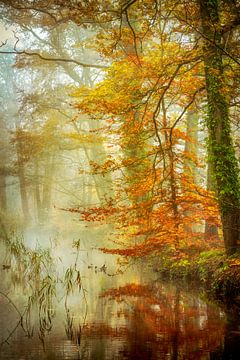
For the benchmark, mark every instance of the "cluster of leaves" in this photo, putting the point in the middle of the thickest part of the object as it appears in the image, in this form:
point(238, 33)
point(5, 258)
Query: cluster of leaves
point(143, 98)
point(155, 200)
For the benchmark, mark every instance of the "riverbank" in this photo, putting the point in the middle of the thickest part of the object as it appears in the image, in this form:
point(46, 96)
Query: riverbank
point(218, 274)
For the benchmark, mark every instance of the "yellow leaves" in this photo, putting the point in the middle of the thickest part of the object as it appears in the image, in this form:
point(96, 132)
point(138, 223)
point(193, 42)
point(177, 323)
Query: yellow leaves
point(81, 91)
point(107, 98)
point(83, 138)
point(145, 105)
point(234, 262)
point(108, 166)
point(128, 87)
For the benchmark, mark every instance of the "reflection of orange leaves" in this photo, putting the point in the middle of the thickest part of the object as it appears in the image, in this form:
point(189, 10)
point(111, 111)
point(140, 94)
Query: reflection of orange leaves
point(168, 312)
point(133, 289)
point(104, 330)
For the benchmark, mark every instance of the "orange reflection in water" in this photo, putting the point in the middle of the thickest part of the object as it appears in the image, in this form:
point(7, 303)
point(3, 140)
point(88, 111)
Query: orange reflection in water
point(165, 323)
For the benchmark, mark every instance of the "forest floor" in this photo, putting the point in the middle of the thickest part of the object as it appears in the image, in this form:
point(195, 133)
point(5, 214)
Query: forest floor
point(218, 274)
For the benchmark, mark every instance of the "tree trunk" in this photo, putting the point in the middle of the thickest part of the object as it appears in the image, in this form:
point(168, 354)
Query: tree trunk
point(97, 153)
point(22, 182)
point(103, 185)
point(23, 192)
point(37, 192)
point(47, 187)
point(3, 192)
point(210, 229)
point(221, 150)
point(3, 163)
point(191, 148)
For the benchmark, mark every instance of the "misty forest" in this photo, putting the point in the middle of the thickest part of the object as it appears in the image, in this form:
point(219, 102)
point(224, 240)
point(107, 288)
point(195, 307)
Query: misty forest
point(119, 179)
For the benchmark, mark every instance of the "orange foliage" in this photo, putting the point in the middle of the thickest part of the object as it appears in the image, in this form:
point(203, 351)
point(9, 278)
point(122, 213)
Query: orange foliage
point(144, 99)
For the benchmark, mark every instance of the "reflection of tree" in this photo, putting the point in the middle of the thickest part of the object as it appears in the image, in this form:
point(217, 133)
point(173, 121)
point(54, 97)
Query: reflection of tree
point(175, 336)
point(232, 337)
point(18, 323)
point(229, 348)
point(168, 323)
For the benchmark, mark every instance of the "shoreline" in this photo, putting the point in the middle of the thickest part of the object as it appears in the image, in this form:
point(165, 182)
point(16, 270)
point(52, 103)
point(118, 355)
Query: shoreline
point(218, 274)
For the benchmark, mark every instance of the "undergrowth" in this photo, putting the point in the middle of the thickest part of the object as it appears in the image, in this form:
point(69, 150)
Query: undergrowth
point(219, 274)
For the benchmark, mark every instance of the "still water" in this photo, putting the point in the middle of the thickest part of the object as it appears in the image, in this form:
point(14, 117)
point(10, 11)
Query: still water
point(89, 309)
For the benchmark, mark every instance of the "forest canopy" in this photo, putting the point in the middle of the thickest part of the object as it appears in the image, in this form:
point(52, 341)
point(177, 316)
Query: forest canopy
point(125, 113)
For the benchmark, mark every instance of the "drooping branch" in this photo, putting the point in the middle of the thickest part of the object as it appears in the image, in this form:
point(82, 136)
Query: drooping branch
point(56, 59)
point(46, 58)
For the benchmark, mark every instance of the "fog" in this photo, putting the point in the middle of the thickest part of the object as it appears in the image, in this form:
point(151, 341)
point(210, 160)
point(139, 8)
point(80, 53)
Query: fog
point(90, 198)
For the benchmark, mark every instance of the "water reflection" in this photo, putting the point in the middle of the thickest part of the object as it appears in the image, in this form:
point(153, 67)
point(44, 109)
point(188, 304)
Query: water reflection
point(81, 312)
point(167, 323)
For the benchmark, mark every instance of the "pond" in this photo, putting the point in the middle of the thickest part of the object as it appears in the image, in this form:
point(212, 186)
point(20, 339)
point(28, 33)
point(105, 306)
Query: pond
point(89, 309)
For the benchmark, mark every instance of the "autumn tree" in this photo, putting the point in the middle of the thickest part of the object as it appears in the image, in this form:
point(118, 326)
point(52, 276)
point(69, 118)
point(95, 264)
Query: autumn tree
point(195, 38)
point(221, 149)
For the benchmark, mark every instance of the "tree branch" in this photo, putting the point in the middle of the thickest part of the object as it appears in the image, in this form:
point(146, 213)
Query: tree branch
point(42, 57)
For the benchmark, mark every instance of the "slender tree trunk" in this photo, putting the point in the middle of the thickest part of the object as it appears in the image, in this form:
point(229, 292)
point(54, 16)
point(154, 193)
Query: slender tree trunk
point(103, 185)
point(210, 229)
point(22, 183)
point(136, 147)
point(3, 192)
point(176, 333)
point(221, 150)
point(37, 192)
point(191, 148)
point(3, 187)
point(97, 153)
point(23, 192)
point(173, 187)
point(47, 187)
point(3, 163)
